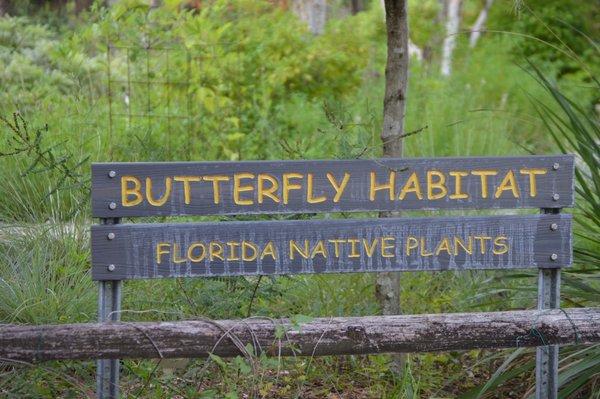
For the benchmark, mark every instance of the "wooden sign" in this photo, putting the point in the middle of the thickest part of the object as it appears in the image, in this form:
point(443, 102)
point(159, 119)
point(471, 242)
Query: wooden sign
point(211, 188)
point(132, 251)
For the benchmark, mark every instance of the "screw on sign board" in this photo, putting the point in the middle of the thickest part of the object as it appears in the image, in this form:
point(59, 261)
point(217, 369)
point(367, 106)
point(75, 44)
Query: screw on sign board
point(334, 245)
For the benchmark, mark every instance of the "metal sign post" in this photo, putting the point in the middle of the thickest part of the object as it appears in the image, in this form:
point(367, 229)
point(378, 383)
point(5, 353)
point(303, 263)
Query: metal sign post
point(546, 357)
point(109, 309)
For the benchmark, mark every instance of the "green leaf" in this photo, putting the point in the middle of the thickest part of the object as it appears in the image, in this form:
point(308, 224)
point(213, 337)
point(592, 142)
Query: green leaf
point(218, 360)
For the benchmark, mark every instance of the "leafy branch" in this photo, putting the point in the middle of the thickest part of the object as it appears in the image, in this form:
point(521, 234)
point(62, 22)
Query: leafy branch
point(22, 141)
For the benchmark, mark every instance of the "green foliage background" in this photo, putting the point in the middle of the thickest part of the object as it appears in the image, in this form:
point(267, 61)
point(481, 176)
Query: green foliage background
point(246, 80)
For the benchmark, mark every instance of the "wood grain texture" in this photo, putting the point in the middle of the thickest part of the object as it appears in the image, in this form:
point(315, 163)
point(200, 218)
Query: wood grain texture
point(323, 336)
point(133, 251)
point(355, 197)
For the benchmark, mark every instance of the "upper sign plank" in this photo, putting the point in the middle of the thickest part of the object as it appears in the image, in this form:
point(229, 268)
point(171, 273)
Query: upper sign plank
point(227, 188)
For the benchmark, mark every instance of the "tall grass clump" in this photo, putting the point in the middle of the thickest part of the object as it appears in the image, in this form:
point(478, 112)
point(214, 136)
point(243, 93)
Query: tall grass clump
point(41, 179)
point(44, 275)
point(574, 128)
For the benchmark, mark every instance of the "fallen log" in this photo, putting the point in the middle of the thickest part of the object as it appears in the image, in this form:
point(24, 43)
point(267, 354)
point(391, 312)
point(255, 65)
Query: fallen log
point(322, 336)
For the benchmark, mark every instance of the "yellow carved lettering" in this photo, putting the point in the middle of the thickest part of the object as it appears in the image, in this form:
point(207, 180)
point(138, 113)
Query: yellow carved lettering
point(500, 245)
point(411, 243)
point(162, 200)
point(370, 249)
point(458, 175)
point(263, 191)
point(196, 258)
point(269, 250)
point(390, 186)
point(238, 188)
point(177, 254)
point(319, 249)
point(187, 190)
point(459, 243)
point(216, 179)
point(215, 250)
point(509, 183)
point(482, 240)
point(309, 192)
point(287, 186)
point(336, 246)
point(444, 245)
point(162, 248)
point(483, 175)
point(424, 251)
point(127, 191)
point(532, 180)
point(233, 246)
point(439, 184)
point(385, 246)
point(249, 257)
point(353, 248)
point(295, 248)
point(338, 187)
point(412, 185)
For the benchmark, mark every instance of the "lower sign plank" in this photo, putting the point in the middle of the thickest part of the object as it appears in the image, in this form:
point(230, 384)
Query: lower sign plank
point(136, 251)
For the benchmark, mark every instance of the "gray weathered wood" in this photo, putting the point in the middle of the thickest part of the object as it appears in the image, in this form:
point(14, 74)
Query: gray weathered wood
point(554, 189)
point(133, 249)
point(324, 336)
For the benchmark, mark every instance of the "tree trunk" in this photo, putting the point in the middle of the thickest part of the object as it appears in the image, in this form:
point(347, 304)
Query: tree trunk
point(479, 24)
point(452, 25)
point(3, 7)
point(319, 337)
point(313, 12)
point(57, 6)
point(414, 51)
point(396, 77)
point(387, 288)
point(82, 5)
point(356, 6)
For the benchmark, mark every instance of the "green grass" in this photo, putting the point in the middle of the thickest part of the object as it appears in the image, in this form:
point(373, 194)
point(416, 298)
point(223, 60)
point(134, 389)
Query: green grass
point(574, 130)
point(482, 109)
point(44, 275)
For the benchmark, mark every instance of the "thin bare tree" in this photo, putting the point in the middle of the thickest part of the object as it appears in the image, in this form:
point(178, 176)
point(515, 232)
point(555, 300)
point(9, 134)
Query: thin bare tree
point(313, 12)
point(387, 287)
point(356, 6)
point(4, 7)
point(452, 25)
point(479, 25)
point(82, 5)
